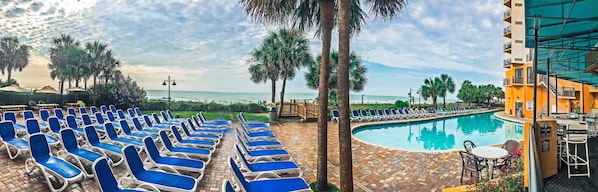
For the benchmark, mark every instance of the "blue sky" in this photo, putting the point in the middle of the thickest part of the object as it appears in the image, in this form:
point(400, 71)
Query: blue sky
point(204, 44)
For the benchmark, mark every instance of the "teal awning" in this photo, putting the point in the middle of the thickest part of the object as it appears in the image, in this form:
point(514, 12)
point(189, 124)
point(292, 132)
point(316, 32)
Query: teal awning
point(568, 33)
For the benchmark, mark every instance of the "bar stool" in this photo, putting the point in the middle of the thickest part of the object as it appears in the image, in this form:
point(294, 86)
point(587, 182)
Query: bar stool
point(576, 134)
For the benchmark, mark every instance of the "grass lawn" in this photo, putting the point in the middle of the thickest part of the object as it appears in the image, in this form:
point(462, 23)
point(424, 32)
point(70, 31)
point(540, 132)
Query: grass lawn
point(217, 115)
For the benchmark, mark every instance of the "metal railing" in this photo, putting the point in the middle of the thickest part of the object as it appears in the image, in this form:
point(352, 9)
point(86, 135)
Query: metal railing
point(506, 82)
point(561, 91)
point(507, 14)
point(507, 45)
point(530, 79)
point(507, 61)
point(518, 80)
point(507, 29)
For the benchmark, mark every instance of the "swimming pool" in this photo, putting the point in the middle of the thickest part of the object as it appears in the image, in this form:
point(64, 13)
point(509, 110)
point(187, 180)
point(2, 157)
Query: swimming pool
point(441, 134)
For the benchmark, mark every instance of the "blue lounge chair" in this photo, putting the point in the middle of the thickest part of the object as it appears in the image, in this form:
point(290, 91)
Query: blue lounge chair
point(255, 136)
point(227, 186)
point(252, 124)
point(140, 128)
point(113, 136)
point(58, 113)
point(203, 130)
point(199, 135)
point(382, 115)
point(122, 116)
point(151, 125)
point(176, 163)
point(191, 142)
point(104, 109)
point(28, 114)
point(172, 117)
point(77, 154)
point(204, 126)
point(388, 114)
point(253, 127)
point(219, 122)
point(134, 135)
point(42, 159)
point(373, 115)
point(267, 154)
point(93, 140)
point(355, 116)
point(159, 179)
point(267, 185)
point(334, 115)
point(259, 144)
point(138, 111)
point(11, 141)
point(171, 120)
point(71, 111)
point(33, 128)
point(112, 108)
point(258, 169)
point(100, 121)
point(169, 148)
point(10, 116)
point(131, 113)
point(72, 123)
point(105, 178)
point(44, 114)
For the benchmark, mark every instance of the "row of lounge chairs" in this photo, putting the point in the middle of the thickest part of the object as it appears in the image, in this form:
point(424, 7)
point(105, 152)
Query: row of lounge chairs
point(261, 162)
point(65, 150)
point(395, 114)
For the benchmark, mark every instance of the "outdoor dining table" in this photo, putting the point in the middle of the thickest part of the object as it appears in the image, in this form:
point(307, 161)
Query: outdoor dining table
point(47, 106)
point(490, 153)
point(74, 105)
point(17, 108)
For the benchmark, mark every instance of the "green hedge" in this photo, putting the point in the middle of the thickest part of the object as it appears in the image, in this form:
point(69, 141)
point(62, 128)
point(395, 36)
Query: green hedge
point(158, 105)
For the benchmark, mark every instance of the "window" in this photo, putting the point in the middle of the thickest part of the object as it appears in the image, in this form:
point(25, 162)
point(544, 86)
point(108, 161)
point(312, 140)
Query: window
point(518, 4)
point(518, 78)
point(518, 23)
point(518, 41)
point(530, 75)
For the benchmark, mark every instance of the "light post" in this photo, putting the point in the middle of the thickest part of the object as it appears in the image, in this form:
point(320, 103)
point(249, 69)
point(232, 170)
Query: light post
point(419, 98)
point(173, 84)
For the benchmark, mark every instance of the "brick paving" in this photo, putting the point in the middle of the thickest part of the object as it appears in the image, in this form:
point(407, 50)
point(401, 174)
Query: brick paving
point(375, 168)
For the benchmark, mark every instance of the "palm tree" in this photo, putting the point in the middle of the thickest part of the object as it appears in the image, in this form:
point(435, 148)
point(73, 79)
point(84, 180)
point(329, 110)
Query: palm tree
point(320, 14)
point(97, 57)
point(356, 73)
point(62, 58)
point(263, 65)
point(466, 92)
point(13, 55)
point(432, 88)
point(448, 85)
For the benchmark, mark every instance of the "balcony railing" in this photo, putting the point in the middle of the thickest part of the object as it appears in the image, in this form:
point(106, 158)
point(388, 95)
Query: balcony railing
point(530, 80)
point(507, 15)
point(517, 80)
point(506, 82)
point(567, 91)
point(507, 3)
point(507, 62)
point(507, 45)
point(507, 29)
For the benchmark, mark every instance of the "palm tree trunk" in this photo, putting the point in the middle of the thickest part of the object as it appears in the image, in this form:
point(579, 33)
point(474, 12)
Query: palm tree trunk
point(9, 71)
point(284, 83)
point(95, 91)
point(327, 19)
point(273, 91)
point(76, 82)
point(62, 86)
point(444, 101)
point(344, 125)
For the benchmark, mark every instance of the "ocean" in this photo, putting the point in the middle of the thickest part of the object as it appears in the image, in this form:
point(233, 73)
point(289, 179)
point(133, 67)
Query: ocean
point(254, 97)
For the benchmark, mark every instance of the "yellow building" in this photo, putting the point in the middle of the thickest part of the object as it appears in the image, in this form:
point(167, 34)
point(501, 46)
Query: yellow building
point(519, 79)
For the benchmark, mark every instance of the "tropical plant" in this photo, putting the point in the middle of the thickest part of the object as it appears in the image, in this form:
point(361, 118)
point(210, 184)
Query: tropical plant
point(432, 88)
point(263, 66)
point(122, 92)
point(356, 70)
point(321, 14)
point(467, 92)
point(448, 86)
point(13, 56)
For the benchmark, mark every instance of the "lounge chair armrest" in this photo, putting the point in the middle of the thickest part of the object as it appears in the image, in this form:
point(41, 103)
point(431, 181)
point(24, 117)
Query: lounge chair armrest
point(163, 168)
point(262, 159)
point(266, 175)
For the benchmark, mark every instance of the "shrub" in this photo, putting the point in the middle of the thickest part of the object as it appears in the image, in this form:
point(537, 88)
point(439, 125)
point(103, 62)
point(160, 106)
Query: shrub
point(401, 104)
point(123, 94)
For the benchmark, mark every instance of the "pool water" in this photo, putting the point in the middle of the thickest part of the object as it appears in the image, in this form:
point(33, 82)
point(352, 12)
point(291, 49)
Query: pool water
point(441, 134)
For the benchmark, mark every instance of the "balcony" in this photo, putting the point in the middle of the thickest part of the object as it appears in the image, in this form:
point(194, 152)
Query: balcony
point(507, 3)
point(506, 82)
point(507, 32)
point(567, 91)
point(517, 80)
point(530, 80)
point(507, 47)
point(506, 63)
point(507, 16)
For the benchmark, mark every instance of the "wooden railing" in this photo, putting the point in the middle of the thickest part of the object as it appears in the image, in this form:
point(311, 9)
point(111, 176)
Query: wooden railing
point(307, 111)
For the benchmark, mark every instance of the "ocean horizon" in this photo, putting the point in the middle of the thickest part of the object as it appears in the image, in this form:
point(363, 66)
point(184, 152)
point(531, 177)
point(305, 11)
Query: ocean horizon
point(254, 97)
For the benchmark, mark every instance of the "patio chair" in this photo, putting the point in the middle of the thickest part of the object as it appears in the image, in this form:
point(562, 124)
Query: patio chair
point(44, 114)
point(204, 130)
point(219, 122)
point(259, 169)
point(71, 111)
point(112, 108)
point(104, 177)
point(33, 128)
point(151, 125)
point(93, 141)
point(88, 122)
point(31, 105)
point(28, 114)
point(191, 142)
point(42, 159)
point(355, 116)
point(73, 151)
point(161, 180)
point(14, 145)
point(170, 116)
point(470, 163)
point(159, 122)
point(187, 152)
point(373, 115)
point(266, 185)
point(174, 163)
point(138, 111)
point(11, 116)
point(396, 114)
point(468, 145)
point(511, 146)
point(72, 123)
point(334, 115)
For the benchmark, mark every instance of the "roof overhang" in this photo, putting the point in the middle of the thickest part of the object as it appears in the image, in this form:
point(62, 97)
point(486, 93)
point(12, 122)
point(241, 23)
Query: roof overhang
point(567, 37)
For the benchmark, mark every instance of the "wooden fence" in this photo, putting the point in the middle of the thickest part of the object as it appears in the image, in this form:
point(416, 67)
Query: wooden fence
point(305, 111)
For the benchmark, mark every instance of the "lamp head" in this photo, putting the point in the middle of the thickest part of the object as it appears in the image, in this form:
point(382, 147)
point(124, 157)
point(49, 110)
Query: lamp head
point(164, 83)
point(173, 83)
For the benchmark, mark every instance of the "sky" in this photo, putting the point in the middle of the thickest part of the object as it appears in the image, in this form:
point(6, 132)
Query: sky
point(204, 44)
